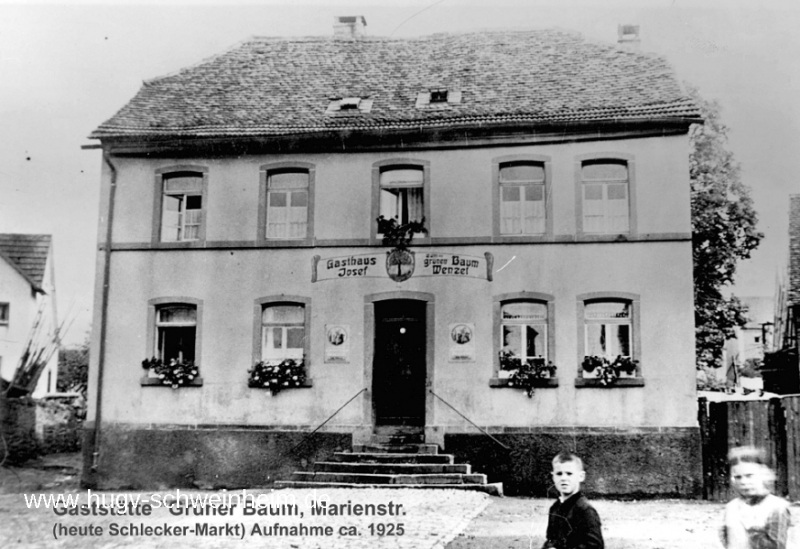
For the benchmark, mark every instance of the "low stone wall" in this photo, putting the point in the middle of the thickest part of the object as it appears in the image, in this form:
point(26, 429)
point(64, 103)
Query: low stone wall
point(18, 428)
point(59, 424)
point(210, 457)
point(657, 462)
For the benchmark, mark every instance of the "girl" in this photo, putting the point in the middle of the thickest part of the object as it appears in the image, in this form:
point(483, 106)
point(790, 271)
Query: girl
point(755, 519)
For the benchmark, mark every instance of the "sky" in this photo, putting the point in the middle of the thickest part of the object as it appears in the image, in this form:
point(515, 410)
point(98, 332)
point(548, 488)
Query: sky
point(66, 67)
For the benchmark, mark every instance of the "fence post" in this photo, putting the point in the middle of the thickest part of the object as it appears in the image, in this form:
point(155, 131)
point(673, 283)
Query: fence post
point(705, 435)
point(777, 432)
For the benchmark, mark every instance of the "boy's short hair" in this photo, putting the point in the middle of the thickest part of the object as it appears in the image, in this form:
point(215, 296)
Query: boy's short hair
point(747, 454)
point(568, 457)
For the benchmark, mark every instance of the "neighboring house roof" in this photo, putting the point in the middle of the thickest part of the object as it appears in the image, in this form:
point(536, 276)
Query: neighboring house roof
point(276, 86)
point(27, 253)
point(760, 310)
point(794, 250)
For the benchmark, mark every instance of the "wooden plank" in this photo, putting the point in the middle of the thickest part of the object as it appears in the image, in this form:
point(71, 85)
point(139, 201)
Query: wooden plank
point(791, 407)
point(718, 448)
point(778, 436)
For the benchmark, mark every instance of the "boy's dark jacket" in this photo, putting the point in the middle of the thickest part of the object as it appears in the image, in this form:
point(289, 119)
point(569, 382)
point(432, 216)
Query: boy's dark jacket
point(573, 524)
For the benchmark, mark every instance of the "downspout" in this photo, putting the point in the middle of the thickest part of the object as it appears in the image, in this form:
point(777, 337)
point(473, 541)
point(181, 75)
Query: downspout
point(101, 350)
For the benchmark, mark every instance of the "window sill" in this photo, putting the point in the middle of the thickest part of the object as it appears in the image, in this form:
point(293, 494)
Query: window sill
point(307, 384)
point(147, 381)
point(180, 244)
point(286, 242)
point(621, 382)
point(541, 383)
point(606, 237)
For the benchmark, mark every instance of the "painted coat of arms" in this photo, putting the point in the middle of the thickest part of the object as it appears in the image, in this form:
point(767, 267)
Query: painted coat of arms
point(400, 265)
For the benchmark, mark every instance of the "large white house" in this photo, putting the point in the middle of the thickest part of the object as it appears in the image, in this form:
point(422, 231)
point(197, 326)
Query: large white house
point(238, 226)
point(28, 318)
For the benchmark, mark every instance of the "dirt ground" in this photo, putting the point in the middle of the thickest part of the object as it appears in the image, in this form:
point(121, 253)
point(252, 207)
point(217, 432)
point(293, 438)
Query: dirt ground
point(504, 523)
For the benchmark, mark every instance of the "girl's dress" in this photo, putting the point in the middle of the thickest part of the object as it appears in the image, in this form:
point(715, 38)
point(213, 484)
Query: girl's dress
point(756, 523)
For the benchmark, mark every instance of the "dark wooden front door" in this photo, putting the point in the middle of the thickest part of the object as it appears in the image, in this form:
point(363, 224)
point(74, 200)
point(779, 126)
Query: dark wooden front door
point(399, 369)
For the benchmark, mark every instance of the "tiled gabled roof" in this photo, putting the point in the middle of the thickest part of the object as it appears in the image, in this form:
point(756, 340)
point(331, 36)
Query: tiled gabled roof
point(27, 253)
point(268, 86)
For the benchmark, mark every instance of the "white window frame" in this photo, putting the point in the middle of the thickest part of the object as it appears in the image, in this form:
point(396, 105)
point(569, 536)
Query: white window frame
point(541, 324)
point(620, 321)
point(160, 212)
point(161, 325)
point(285, 228)
point(268, 328)
point(539, 224)
point(635, 320)
point(397, 194)
point(629, 229)
point(382, 166)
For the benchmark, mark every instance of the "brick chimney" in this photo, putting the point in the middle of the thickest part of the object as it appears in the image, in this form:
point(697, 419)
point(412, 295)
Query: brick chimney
point(794, 250)
point(628, 36)
point(349, 27)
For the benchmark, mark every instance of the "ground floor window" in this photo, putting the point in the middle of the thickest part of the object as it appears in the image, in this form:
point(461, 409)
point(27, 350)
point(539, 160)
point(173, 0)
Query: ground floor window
point(283, 332)
point(609, 337)
point(176, 331)
point(524, 329)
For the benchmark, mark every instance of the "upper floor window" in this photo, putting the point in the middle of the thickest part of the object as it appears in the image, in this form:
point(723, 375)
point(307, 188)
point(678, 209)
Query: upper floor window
point(287, 204)
point(180, 206)
point(4, 312)
point(606, 197)
point(176, 332)
point(400, 191)
point(522, 198)
point(402, 194)
point(524, 329)
point(283, 332)
point(182, 211)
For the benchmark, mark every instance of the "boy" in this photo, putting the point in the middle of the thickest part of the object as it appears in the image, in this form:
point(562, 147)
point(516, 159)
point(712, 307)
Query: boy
point(573, 523)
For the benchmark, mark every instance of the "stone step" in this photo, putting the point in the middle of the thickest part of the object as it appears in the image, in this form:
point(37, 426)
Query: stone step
point(396, 448)
point(382, 479)
point(392, 468)
point(398, 439)
point(398, 430)
point(381, 457)
point(493, 489)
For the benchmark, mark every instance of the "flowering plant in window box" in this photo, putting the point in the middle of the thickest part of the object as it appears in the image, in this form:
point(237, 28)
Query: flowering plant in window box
point(525, 374)
point(609, 371)
point(174, 373)
point(276, 377)
point(399, 235)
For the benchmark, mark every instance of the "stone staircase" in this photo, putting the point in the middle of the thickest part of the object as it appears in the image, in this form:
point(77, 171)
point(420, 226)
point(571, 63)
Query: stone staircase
point(396, 457)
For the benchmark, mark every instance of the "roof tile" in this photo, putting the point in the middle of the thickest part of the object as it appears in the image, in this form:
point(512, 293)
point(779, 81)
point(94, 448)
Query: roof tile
point(28, 253)
point(269, 86)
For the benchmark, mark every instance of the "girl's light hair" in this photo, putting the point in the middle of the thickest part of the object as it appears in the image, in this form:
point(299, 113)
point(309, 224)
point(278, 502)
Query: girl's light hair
point(751, 454)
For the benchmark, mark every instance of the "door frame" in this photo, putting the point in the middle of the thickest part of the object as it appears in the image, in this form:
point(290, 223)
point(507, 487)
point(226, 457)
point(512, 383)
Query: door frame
point(369, 347)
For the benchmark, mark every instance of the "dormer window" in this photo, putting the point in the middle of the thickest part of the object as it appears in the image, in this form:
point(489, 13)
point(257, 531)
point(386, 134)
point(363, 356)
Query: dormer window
point(438, 98)
point(439, 95)
point(348, 105)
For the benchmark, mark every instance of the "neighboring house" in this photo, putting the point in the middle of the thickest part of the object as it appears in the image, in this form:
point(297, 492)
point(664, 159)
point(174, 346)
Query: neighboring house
point(751, 340)
point(27, 306)
point(781, 371)
point(553, 180)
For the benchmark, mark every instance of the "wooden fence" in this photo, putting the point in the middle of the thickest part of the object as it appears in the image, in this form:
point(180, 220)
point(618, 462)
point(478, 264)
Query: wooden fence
point(773, 425)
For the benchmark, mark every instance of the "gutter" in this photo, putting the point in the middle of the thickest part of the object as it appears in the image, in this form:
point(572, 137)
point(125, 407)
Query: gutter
point(101, 351)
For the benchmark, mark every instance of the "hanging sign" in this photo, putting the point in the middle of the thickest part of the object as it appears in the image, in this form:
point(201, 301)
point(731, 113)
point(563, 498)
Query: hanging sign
point(400, 265)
